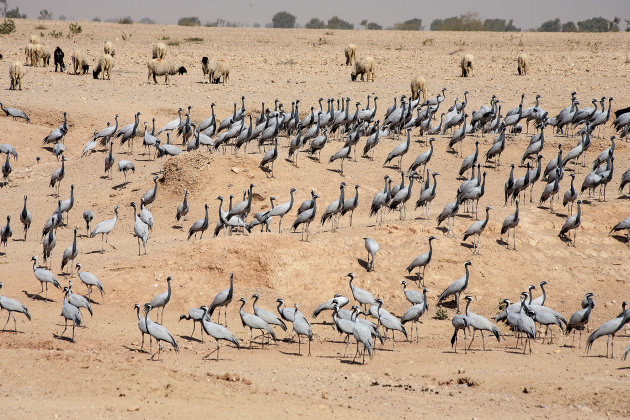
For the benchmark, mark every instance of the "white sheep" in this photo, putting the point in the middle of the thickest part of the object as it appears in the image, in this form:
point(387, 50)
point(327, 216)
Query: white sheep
point(523, 60)
point(467, 65)
point(364, 66)
point(34, 39)
point(16, 72)
point(29, 52)
point(222, 70)
point(104, 66)
point(418, 84)
point(159, 50)
point(351, 54)
point(159, 67)
point(42, 52)
point(108, 48)
point(79, 63)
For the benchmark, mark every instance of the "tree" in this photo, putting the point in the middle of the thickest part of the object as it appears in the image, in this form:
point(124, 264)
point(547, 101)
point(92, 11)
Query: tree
point(336, 23)
point(465, 22)
point(414, 24)
point(147, 21)
point(627, 25)
point(189, 21)
point(127, 20)
point(364, 23)
point(372, 26)
point(45, 15)
point(598, 24)
point(494, 25)
point(511, 28)
point(283, 20)
point(314, 23)
point(15, 14)
point(550, 26)
point(569, 27)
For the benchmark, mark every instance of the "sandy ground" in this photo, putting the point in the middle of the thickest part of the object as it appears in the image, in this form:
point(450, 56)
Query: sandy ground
point(104, 374)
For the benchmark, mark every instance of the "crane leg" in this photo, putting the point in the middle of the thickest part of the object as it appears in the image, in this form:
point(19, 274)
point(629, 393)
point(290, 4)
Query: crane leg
point(483, 341)
point(472, 339)
point(299, 345)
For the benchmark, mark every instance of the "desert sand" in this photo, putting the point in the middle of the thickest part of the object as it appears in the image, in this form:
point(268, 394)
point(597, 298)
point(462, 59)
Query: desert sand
point(104, 374)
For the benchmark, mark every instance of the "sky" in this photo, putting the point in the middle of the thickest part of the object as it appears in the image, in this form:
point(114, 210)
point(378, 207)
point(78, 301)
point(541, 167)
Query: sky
point(526, 14)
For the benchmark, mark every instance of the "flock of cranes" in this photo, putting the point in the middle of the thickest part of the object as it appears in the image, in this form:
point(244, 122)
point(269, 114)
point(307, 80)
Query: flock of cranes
point(310, 134)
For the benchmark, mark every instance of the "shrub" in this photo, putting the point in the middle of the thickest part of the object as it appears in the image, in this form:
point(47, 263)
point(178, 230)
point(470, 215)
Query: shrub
point(441, 314)
point(7, 26)
point(283, 20)
point(195, 40)
point(189, 21)
point(55, 34)
point(315, 23)
point(125, 20)
point(74, 29)
point(336, 23)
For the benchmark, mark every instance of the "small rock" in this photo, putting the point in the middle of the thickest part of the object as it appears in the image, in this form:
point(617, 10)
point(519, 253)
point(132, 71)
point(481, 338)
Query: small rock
point(234, 169)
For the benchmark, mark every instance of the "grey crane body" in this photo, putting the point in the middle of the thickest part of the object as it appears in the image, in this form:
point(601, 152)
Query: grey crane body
point(427, 195)
point(107, 132)
point(217, 331)
point(343, 326)
point(402, 196)
point(381, 199)
point(6, 232)
point(338, 300)
point(57, 134)
point(242, 208)
point(351, 204)
point(390, 322)
point(334, 208)
point(476, 229)
point(105, 227)
point(66, 205)
point(149, 196)
point(570, 195)
point(158, 332)
point(162, 299)
point(422, 261)
point(26, 217)
point(511, 222)
point(423, 158)
point(183, 208)
point(145, 215)
point(372, 248)
point(90, 280)
point(48, 244)
point(623, 225)
point(399, 151)
point(477, 322)
point(15, 113)
point(196, 315)
point(306, 217)
point(254, 322)
point(414, 313)
point(286, 313)
point(12, 305)
point(302, 327)
point(78, 300)
point(142, 325)
point(223, 299)
point(58, 175)
point(267, 316)
point(125, 166)
point(572, 223)
point(362, 296)
point(282, 209)
point(140, 229)
point(44, 276)
point(580, 318)
point(70, 313)
point(363, 334)
point(459, 322)
point(129, 131)
point(522, 323)
point(449, 212)
point(469, 161)
point(608, 328)
point(456, 287)
point(70, 253)
point(200, 225)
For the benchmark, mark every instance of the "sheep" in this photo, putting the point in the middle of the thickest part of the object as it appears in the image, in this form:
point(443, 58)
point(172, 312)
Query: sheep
point(59, 60)
point(43, 52)
point(205, 67)
point(351, 54)
point(418, 84)
point(108, 48)
point(467, 65)
point(34, 39)
point(159, 50)
point(159, 67)
point(79, 63)
point(222, 69)
point(105, 65)
point(16, 72)
point(29, 52)
point(363, 66)
point(523, 60)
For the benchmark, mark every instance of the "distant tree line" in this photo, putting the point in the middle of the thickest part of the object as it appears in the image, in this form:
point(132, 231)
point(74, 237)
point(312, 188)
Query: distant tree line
point(596, 24)
point(472, 22)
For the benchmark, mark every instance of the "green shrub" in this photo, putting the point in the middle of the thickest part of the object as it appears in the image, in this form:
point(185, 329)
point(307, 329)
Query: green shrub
point(7, 26)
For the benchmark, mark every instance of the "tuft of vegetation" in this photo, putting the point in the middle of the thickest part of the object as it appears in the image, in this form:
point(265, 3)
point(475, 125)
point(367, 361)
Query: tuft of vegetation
point(502, 305)
point(127, 20)
point(7, 26)
point(414, 24)
point(125, 36)
point(289, 62)
point(189, 21)
point(194, 40)
point(55, 34)
point(165, 38)
point(283, 20)
point(222, 23)
point(173, 43)
point(427, 42)
point(441, 314)
point(40, 27)
point(74, 29)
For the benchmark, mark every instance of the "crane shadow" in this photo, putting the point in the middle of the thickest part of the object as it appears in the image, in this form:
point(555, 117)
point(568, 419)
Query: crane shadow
point(120, 186)
point(135, 350)
point(36, 296)
point(363, 263)
point(501, 241)
point(62, 338)
point(190, 338)
point(624, 197)
point(466, 245)
point(448, 304)
point(621, 238)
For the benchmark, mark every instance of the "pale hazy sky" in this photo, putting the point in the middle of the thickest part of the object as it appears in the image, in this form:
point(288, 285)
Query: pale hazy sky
point(526, 13)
